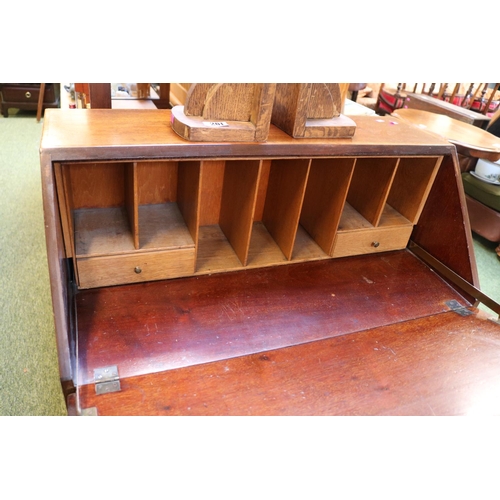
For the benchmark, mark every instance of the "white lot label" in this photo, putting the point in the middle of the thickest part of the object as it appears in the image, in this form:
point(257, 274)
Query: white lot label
point(216, 124)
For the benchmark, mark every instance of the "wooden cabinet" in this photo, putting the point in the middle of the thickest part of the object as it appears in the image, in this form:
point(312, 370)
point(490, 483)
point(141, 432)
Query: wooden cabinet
point(171, 261)
point(25, 96)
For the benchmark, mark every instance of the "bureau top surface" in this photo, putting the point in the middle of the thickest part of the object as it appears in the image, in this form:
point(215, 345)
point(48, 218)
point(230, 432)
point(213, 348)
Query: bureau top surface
point(120, 134)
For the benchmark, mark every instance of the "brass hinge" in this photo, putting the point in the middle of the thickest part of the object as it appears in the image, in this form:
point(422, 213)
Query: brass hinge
point(455, 306)
point(106, 380)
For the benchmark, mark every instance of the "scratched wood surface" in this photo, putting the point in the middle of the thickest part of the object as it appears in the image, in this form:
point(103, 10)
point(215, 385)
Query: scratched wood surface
point(152, 327)
point(443, 364)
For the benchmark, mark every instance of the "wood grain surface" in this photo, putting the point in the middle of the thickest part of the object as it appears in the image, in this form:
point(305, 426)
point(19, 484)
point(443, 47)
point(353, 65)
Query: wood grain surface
point(443, 228)
point(244, 108)
point(370, 185)
point(116, 134)
point(442, 364)
point(469, 139)
point(152, 327)
point(285, 195)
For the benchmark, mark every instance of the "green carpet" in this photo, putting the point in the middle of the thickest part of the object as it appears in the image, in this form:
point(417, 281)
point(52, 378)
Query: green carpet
point(488, 265)
point(29, 376)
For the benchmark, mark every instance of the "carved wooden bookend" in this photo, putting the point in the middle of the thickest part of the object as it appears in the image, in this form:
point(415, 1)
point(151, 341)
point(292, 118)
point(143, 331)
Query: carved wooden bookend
point(225, 112)
point(311, 110)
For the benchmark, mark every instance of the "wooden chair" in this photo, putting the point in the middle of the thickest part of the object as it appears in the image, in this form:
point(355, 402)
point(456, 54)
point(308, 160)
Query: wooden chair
point(389, 98)
point(475, 97)
point(354, 88)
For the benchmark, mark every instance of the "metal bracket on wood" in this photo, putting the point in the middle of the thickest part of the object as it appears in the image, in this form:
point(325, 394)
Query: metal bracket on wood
point(89, 412)
point(454, 277)
point(106, 380)
point(455, 306)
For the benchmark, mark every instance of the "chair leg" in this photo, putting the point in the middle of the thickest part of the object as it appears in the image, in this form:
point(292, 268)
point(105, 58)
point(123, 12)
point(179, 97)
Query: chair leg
point(39, 108)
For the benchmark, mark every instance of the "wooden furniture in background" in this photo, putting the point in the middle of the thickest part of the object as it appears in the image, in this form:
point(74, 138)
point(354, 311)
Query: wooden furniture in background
point(428, 103)
point(469, 140)
point(286, 250)
point(472, 143)
point(82, 95)
point(39, 108)
point(354, 88)
point(178, 93)
point(164, 97)
point(93, 95)
point(478, 98)
point(98, 95)
point(472, 103)
point(26, 96)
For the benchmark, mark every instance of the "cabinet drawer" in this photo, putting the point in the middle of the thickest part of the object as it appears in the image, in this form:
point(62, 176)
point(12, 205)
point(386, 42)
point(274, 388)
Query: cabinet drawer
point(121, 269)
point(371, 240)
point(27, 93)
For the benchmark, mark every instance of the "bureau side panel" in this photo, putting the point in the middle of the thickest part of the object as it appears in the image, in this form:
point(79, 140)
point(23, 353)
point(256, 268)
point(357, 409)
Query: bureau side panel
point(59, 283)
point(443, 228)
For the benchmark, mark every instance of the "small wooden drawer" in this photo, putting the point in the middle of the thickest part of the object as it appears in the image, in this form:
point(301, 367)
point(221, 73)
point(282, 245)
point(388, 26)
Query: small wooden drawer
point(27, 92)
point(149, 266)
point(371, 240)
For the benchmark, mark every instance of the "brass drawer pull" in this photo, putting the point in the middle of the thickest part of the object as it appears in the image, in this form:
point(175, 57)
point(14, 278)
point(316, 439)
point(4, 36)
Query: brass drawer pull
point(138, 270)
point(28, 95)
point(375, 244)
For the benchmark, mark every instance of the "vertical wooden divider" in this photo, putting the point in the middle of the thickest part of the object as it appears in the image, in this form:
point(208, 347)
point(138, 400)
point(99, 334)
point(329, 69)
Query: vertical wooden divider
point(324, 199)
point(65, 197)
point(239, 196)
point(265, 169)
point(285, 195)
point(65, 206)
point(188, 196)
point(211, 191)
point(132, 201)
point(97, 185)
point(370, 185)
point(412, 184)
point(156, 182)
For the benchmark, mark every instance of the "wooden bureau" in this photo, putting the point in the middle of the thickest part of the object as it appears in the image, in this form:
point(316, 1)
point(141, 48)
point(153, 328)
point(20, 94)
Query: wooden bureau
point(295, 276)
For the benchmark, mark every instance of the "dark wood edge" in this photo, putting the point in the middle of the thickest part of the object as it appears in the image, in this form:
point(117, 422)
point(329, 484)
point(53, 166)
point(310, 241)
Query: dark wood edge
point(242, 151)
point(57, 267)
